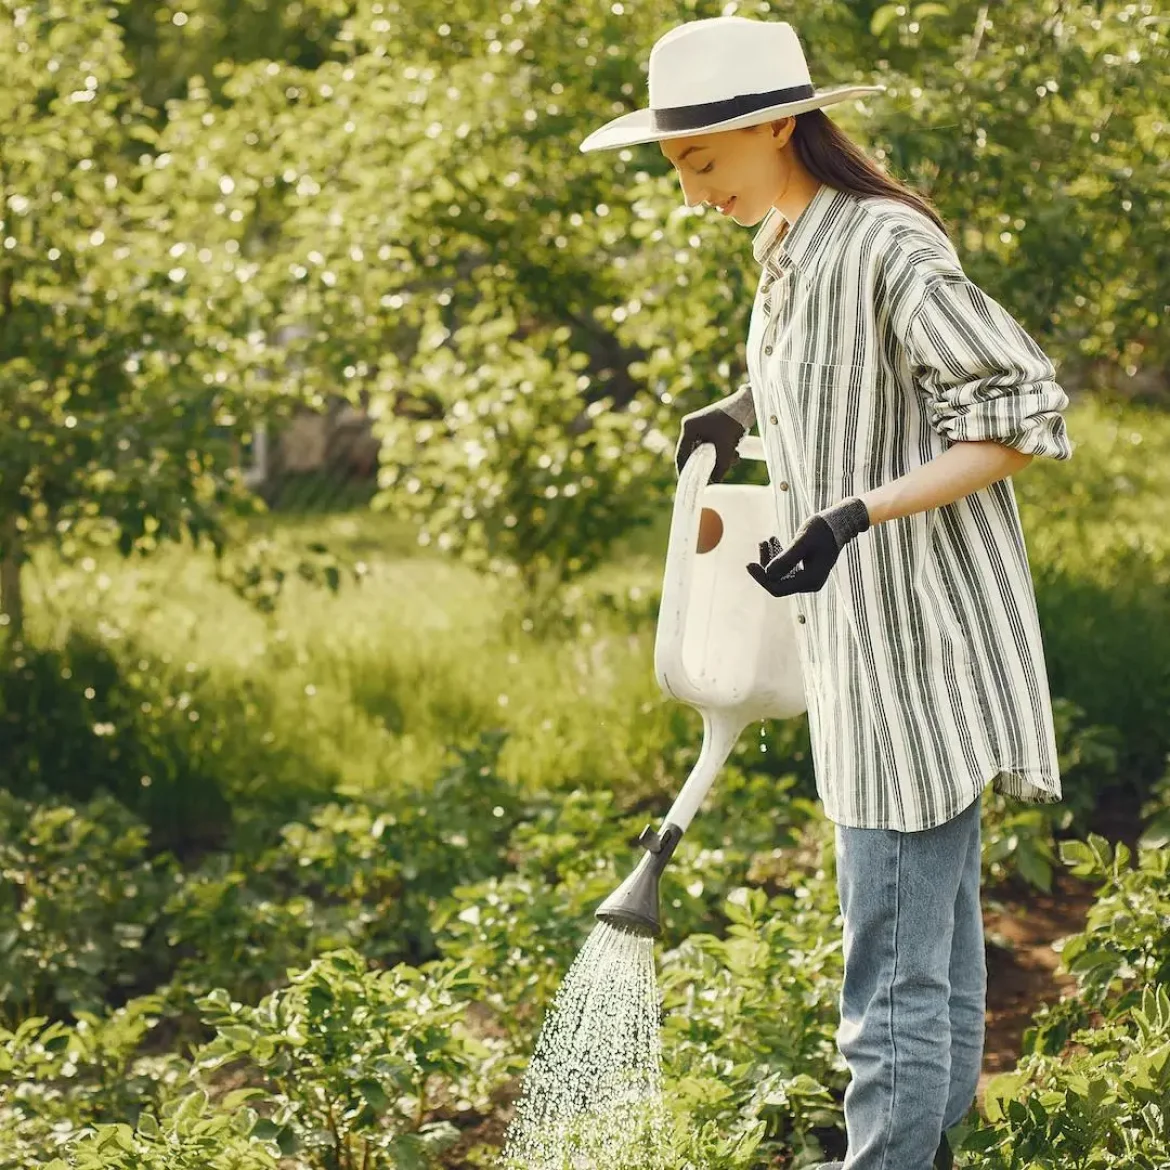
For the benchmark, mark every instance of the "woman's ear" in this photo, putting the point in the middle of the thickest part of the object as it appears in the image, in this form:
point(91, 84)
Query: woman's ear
point(782, 130)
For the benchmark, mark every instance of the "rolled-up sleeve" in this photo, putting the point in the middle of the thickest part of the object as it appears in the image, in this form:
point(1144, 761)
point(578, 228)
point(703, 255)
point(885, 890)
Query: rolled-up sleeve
point(982, 376)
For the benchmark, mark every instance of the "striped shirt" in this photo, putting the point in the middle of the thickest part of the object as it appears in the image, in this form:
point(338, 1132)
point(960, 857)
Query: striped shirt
point(869, 353)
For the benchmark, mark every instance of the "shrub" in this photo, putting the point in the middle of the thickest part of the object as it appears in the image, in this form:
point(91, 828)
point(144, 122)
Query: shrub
point(56, 1079)
point(187, 1134)
point(355, 1059)
point(80, 902)
point(1093, 1087)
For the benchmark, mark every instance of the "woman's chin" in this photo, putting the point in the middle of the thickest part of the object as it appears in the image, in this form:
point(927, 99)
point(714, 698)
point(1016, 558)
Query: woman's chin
point(745, 216)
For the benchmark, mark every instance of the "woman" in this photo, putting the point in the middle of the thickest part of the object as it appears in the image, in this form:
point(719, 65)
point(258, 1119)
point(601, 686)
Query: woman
point(895, 399)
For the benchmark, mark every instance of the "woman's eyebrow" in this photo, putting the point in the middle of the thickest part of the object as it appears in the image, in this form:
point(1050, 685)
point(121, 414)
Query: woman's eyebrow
point(689, 150)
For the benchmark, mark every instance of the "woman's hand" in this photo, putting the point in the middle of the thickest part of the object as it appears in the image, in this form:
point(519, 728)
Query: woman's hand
point(817, 544)
point(710, 425)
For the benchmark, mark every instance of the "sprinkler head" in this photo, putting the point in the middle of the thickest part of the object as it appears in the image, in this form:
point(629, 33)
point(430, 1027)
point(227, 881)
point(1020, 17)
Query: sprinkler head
point(633, 906)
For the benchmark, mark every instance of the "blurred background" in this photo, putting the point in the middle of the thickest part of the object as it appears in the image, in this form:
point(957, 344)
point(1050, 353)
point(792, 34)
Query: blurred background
point(338, 396)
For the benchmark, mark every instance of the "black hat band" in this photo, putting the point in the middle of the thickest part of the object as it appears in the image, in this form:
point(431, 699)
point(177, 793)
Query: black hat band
point(711, 113)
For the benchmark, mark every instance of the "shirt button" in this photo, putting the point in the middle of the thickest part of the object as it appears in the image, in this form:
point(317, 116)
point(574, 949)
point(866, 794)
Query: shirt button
point(800, 618)
point(767, 349)
point(773, 419)
point(784, 485)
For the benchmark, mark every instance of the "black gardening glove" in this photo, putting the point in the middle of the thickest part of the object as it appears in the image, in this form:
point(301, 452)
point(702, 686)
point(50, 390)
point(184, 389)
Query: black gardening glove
point(710, 425)
point(817, 543)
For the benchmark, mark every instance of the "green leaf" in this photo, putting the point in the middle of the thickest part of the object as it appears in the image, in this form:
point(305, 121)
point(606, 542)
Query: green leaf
point(240, 1036)
point(1034, 867)
point(882, 18)
point(373, 1093)
point(1080, 857)
point(319, 1000)
point(266, 1130)
point(1002, 1089)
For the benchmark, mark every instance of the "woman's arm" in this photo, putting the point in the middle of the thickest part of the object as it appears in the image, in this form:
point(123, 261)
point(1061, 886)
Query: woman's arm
point(963, 468)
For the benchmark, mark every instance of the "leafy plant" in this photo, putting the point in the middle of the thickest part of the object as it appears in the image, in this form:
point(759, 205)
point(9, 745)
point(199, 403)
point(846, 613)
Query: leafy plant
point(1104, 1107)
point(187, 1134)
point(80, 899)
point(750, 1018)
point(1092, 1089)
point(57, 1079)
point(1125, 946)
point(356, 1058)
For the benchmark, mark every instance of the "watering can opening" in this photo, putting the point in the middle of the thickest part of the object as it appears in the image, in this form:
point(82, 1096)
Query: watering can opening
point(710, 530)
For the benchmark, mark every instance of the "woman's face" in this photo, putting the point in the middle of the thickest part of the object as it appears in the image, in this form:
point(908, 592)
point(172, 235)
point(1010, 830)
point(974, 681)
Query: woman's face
point(750, 166)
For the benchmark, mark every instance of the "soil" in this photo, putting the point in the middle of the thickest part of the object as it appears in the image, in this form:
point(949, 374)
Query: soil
point(1020, 925)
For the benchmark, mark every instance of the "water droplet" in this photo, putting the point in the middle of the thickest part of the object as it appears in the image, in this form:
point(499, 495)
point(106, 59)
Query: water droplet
point(592, 1095)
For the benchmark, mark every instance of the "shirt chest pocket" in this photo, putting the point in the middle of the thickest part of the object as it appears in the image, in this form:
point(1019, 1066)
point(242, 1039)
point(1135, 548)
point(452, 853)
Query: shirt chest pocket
point(824, 410)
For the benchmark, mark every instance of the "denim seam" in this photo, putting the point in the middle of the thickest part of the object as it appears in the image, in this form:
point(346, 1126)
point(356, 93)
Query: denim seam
point(890, 1003)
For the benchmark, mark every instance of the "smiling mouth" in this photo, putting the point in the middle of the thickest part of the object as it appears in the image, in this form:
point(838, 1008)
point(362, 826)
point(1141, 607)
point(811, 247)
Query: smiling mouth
point(724, 208)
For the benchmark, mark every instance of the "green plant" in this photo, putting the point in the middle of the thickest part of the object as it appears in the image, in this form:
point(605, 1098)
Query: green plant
point(98, 714)
point(355, 1059)
point(356, 873)
point(1125, 946)
point(187, 1134)
point(1105, 1107)
point(57, 1079)
point(750, 1018)
point(80, 900)
point(1092, 1089)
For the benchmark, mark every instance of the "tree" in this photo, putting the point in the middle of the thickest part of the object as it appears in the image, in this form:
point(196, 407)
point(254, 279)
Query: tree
point(113, 376)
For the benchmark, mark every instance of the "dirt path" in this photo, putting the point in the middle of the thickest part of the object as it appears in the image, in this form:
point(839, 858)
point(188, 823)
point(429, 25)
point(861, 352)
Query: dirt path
point(1020, 926)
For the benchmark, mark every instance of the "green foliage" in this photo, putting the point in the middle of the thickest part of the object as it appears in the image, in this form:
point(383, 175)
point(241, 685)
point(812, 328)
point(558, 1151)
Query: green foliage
point(362, 874)
point(1101, 564)
point(1126, 945)
point(80, 900)
point(1036, 128)
point(1021, 840)
point(1093, 1088)
point(84, 719)
point(258, 570)
point(111, 380)
point(750, 1017)
point(354, 1055)
point(189, 1134)
point(57, 1079)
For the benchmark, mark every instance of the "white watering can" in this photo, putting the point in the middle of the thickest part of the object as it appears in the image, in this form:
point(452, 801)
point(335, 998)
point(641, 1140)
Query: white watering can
point(724, 645)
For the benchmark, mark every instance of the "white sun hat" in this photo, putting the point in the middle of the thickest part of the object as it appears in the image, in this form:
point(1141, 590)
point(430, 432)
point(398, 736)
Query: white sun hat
point(722, 73)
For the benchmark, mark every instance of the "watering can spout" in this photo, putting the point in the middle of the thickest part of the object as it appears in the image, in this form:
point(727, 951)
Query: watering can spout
point(633, 906)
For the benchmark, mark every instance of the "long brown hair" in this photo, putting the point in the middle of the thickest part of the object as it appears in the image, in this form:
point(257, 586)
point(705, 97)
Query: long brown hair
point(833, 157)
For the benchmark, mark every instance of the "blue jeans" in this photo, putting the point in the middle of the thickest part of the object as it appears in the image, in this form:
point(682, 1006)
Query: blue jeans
point(915, 990)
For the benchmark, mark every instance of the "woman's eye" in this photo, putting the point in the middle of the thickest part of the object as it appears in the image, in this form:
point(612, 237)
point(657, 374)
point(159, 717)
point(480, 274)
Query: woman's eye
point(708, 167)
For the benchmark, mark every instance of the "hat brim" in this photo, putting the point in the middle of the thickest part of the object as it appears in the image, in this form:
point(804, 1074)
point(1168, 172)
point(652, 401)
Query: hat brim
point(635, 129)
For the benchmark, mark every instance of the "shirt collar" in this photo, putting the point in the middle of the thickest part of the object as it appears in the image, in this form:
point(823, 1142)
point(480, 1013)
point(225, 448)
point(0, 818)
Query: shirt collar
point(800, 243)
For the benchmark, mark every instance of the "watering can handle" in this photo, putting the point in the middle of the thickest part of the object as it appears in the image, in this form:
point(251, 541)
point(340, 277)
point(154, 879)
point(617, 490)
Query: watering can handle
point(683, 548)
point(684, 538)
point(751, 447)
